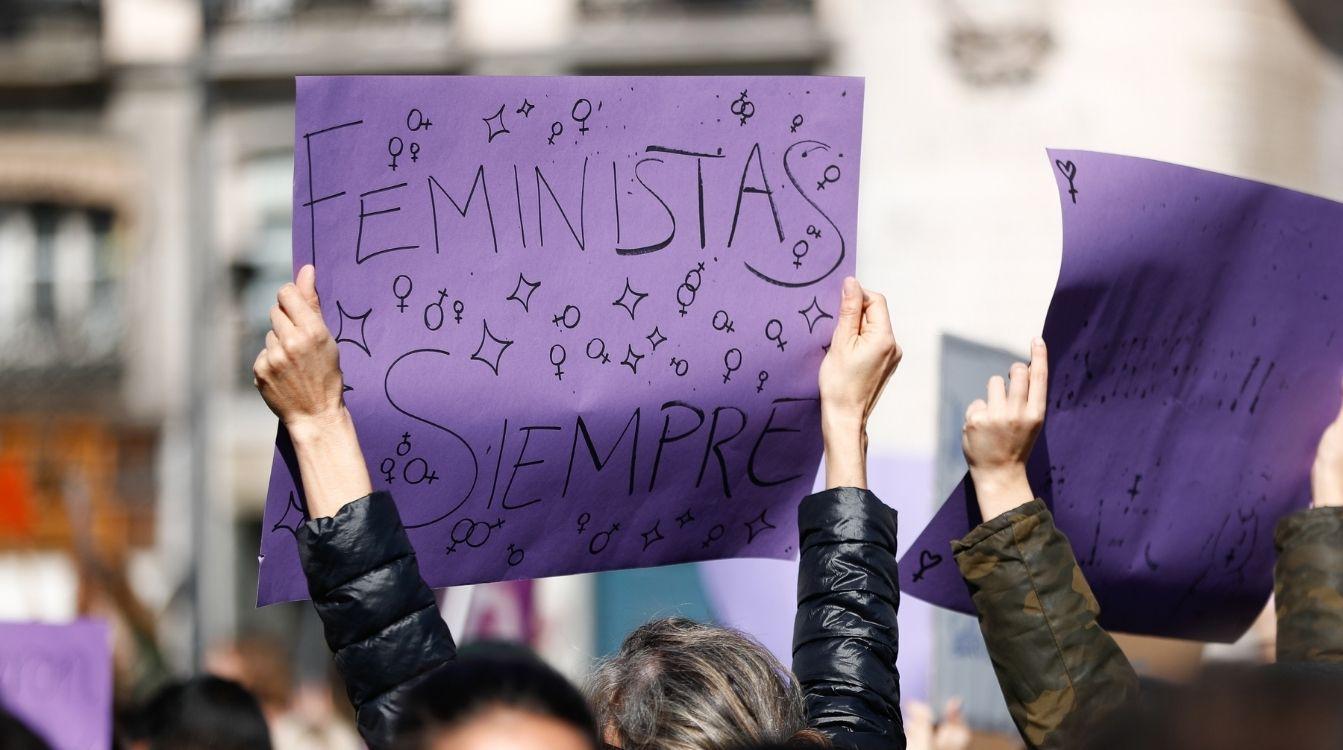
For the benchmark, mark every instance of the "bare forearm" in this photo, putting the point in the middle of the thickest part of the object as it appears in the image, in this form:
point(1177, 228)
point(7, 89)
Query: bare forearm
point(330, 463)
point(845, 451)
point(1001, 490)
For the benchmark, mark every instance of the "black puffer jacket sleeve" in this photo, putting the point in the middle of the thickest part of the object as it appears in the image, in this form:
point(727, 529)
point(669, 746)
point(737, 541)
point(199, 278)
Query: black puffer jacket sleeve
point(845, 638)
point(381, 619)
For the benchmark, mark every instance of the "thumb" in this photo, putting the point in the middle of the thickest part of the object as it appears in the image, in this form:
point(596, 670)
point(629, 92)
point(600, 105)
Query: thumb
point(307, 286)
point(850, 309)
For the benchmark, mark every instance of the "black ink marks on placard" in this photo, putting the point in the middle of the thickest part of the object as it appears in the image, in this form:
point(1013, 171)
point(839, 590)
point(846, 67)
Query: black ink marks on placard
point(813, 314)
point(557, 356)
point(556, 129)
point(402, 290)
point(813, 232)
point(417, 470)
point(569, 318)
point(475, 465)
point(403, 447)
point(797, 123)
point(700, 156)
point(731, 361)
point(800, 249)
point(671, 216)
point(313, 200)
point(364, 213)
point(491, 346)
point(831, 174)
point(394, 148)
point(680, 367)
point(757, 525)
point(388, 469)
point(761, 188)
point(632, 359)
point(629, 298)
point(652, 536)
point(525, 109)
point(521, 297)
point(743, 108)
point(715, 534)
point(351, 337)
point(1147, 558)
point(685, 293)
point(601, 539)
point(414, 151)
point(580, 112)
point(721, 322)
point(1262, 383)
point(478, 181)
point(457, 307)
point(834, 228)
point(1245, 383)
point(471, 532)
point(927, 561)
point(600, 352)
point(684, 518)
point(415, 121)
point(583, 520)
point(515, 555)
point(760, 381)
point(433, 312)
point(285, 522)
point(580, 236)
point(655, 338)
point(1069, 171)
point(774, 332)
point(1133, 492)
point(494, 125)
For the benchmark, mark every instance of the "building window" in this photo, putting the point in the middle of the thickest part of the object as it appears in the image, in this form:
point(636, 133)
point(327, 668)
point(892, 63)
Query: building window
point(58, 286)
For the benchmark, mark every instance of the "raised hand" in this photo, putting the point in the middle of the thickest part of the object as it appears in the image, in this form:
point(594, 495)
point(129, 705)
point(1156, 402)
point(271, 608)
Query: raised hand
point(1326, 476)
point(863, 354)
point(1001, 430)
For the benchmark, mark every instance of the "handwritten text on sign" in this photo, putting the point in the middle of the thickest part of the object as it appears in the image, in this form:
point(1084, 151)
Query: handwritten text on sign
point(579, 318)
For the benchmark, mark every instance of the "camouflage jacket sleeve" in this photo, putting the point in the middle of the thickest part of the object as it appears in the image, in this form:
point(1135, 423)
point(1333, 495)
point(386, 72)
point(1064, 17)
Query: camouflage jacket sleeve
point(1308, 586)
point(1058, 669)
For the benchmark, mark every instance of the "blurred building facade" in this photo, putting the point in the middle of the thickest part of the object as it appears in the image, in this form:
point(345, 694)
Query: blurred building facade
point(145, 190)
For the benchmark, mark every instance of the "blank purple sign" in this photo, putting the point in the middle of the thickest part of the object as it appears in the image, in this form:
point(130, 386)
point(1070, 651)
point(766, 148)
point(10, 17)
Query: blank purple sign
point(58, 680)
point(1195, 352)
point(579, 319)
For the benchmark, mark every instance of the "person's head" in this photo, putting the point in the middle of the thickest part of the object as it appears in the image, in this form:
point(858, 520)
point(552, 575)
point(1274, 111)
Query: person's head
point(1280, 707)
point(496, 697)
point(677, 684)
point(202, 713)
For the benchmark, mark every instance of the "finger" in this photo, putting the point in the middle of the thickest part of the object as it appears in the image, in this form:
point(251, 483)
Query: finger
point(975, 407)
point(272, 341)
point(1017, 385)
point(280, 324)
point(260, 368)
point(997, 391)
point(1038, 399)
point(876, 314)
point(951, 713)
point(850, 310)
point(297, 308)
point(307, 286)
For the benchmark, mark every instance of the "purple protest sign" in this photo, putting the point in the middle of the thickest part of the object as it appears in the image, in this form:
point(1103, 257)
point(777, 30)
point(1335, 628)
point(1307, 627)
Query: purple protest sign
point(579, 319)
point(57, 679)
point(1195, 355)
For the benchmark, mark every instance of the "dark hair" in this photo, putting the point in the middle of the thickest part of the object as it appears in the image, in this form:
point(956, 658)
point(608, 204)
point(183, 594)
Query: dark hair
point(487, 676)
point(203, 713)
point(15, 735)
point(1296, 706)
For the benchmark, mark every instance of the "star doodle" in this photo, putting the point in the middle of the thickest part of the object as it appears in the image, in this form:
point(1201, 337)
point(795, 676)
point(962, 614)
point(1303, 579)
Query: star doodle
point(757, 525)
point(495, 346)
point(341, 336)
point(521, 297)
point(526, 109)
point(626, 295)
point(632, 359)
point(290, 507)
point(495, 124)
point(652, 536)
point(655, 338)
point(684, 518)
point(813, 314)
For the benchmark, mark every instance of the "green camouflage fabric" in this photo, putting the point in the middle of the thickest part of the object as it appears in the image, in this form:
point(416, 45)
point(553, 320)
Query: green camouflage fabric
point(1058, 668)
point(1308, 586)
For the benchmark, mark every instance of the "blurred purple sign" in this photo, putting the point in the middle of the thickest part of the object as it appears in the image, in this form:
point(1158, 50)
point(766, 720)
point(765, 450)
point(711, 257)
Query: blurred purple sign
point(1195, 351)
point(580, 319)
point(57, 679)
